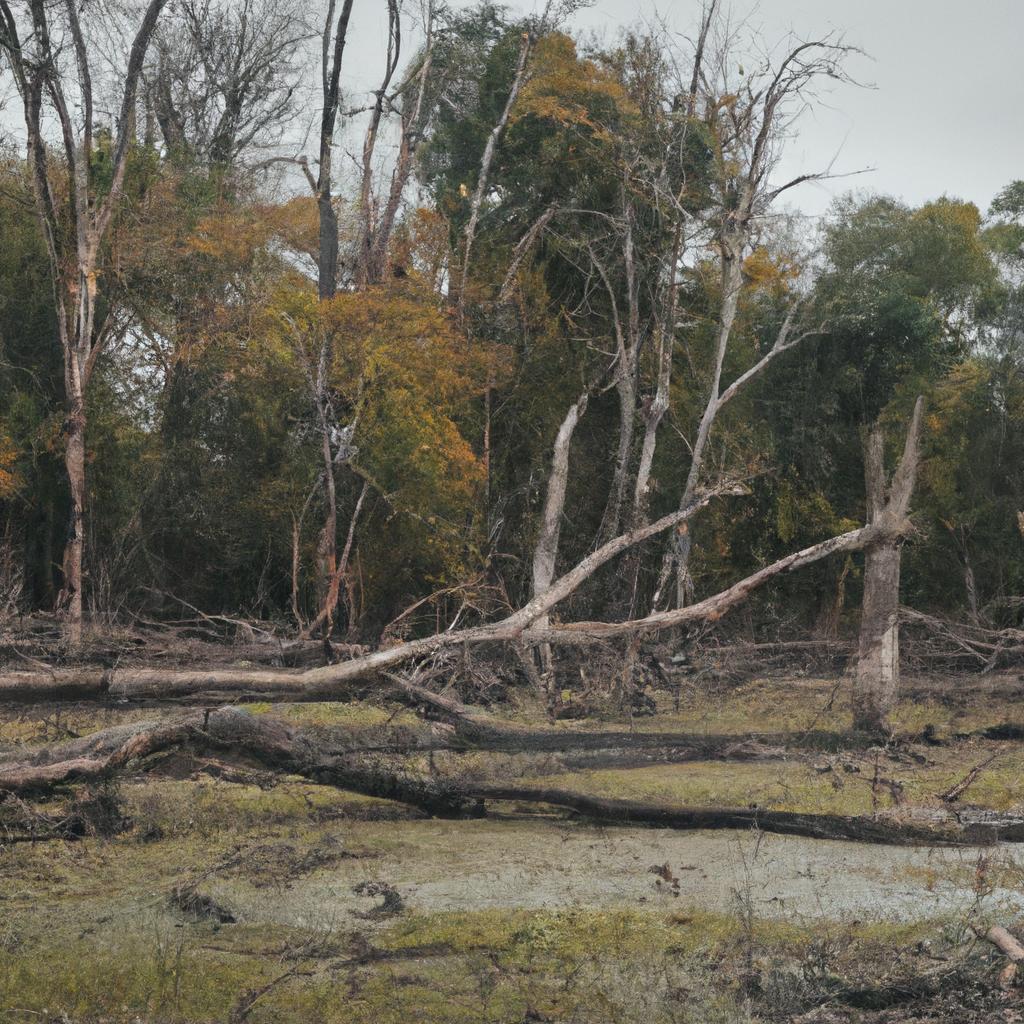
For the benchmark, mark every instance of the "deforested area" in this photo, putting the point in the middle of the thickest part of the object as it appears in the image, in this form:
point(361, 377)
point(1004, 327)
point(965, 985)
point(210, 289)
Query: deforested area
point(511, 513)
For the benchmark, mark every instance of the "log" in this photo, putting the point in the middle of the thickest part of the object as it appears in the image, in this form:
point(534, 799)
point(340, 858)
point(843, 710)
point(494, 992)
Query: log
point(957, 790)
point(1008, 944)
point(126, 684)
point(889, 832)
point(331, 681)
point(282, 747)
point(271, 742)
point(471, 730)
point(56, 683)
point(1005, 942)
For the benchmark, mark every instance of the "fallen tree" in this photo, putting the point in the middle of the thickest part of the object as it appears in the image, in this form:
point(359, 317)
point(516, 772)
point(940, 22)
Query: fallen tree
point(329, 682)
point(525, 626)
point(276, 745)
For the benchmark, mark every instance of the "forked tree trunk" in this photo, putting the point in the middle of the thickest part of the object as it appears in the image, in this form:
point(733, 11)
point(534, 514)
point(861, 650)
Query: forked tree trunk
point(877, 677)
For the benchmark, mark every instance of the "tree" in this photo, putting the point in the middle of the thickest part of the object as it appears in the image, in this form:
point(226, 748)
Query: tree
point(877, 676)
point(223, 80)
point(748, 121)
point(75, 220)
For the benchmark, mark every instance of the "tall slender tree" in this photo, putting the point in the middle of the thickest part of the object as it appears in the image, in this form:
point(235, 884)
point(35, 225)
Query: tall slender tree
point(75, 220)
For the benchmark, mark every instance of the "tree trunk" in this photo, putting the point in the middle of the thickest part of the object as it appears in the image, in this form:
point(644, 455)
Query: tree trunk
point(877, 675)
point(70, 599)
point(327, 548)
point(545, 554)
point(878, 656)
point(625, 387)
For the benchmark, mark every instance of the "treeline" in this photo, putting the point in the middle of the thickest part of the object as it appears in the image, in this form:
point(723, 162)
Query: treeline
point(337, 375)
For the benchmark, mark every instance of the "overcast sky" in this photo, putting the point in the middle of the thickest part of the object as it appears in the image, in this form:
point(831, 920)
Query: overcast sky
point(943, 113)
point(943, 107)
point(946, 111)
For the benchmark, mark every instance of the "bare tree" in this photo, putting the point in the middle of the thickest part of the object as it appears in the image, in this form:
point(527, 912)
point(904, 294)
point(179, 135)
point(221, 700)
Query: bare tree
point(380, 101)
point(888, 501)
point(333, 39)
point(45, 80)
point(748, 123)
point(409, 101)
point(224, 78)
point(545, 553)
point(333, 441)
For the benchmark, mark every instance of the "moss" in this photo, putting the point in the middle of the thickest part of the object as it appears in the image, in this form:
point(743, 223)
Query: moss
point(814, 784)
point(349, 714)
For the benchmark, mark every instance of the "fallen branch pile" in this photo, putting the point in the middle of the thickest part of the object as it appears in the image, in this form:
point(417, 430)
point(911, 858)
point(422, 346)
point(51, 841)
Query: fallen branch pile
point(960, 645)
point(331, 682)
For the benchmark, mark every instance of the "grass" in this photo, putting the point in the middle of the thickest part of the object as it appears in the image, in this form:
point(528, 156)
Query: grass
point(820, 784)
point(87, 929)
point(35, 725)
point(495, 966)
point(770, 706)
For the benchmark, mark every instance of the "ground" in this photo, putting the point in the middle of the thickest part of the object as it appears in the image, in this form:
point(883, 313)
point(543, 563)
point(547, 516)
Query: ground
point(209, 900)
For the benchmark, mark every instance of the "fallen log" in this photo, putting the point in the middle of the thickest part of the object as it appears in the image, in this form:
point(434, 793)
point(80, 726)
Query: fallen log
point(958, 789)
point(884, 831)
point(302, 751)
point(471, 729)
point(1005, 942)
point(332, 682)
point(1008, 944)
point(269, 741)
point(151, 683)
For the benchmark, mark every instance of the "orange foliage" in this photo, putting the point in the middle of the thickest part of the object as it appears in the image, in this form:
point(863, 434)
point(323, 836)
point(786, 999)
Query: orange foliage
point(10, 480)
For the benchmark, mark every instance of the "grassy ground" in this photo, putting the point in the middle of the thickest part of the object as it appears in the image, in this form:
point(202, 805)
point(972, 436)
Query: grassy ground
point(90, 929)
point(516, 919)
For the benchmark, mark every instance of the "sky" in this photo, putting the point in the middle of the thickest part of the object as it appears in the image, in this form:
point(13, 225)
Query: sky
point(942, 109)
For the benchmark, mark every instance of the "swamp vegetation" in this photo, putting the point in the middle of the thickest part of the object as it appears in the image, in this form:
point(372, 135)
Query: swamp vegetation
point(475, 553)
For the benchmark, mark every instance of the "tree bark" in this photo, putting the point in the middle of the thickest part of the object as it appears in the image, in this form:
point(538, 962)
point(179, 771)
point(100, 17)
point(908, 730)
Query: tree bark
point(877, 674)
point(70, 600)
point(878, 671)
point(545, 554)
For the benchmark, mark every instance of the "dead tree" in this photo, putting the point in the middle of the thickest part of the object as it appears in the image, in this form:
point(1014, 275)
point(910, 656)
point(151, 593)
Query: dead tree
point(223, 79)
point(545, 553)
point(748, 123)
point(888, 501)
point(281, 747)
point(332, 50)
point(44, 80)
point(520, 626)
point(377, 110)
point(317, 366)
point(409, 101)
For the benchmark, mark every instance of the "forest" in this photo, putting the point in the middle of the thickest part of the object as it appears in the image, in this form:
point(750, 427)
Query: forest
point(399, 484)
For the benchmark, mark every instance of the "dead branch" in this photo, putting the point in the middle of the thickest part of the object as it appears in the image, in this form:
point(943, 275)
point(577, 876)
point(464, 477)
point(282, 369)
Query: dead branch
point(956, 791)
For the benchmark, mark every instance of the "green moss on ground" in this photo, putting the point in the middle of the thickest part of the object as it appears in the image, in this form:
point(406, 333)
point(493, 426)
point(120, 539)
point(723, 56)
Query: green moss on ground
point(820, 785)
point(499, 966)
